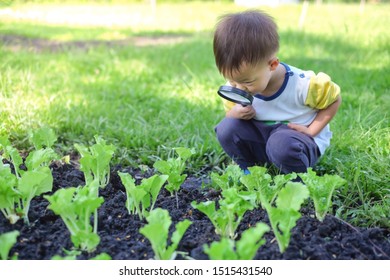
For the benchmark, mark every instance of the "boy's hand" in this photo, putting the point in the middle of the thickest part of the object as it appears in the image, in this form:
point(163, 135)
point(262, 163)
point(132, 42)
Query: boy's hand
point(300, 128)
point(240, 112)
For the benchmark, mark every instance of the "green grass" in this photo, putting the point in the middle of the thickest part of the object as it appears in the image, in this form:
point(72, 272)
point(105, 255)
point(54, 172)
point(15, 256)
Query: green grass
point(148, 99)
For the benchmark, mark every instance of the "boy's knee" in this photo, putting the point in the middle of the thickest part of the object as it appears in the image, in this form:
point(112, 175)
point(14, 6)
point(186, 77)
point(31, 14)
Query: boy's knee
point(288, 153)
point(284, 150)
point(226, 129)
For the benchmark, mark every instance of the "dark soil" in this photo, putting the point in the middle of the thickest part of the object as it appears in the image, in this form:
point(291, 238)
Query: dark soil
point(120, 238)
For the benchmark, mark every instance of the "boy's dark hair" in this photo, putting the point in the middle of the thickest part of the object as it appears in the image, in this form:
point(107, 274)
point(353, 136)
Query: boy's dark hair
point(249, 36)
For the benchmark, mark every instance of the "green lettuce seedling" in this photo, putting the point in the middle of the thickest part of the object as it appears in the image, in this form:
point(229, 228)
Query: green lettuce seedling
point(243, 249)
point(321, 189)
point(230, 213)
point(38, 178)
point(265, 187)
point(43, 137)
point(43, 154)
point(283, 217)
point(174, 167)
point(95, 164)
point(11, 154)
point(141, 199)
point(7, 241)
point(9, 195)
point(75, 207)
point(31, 184)
point(95, 161)
point(230, 178)
point(16, 193)
point(258, 182)
point(157, 230)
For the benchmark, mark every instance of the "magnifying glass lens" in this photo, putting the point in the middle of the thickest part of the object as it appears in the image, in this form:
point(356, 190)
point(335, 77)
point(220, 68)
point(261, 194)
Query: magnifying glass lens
point(235, 95)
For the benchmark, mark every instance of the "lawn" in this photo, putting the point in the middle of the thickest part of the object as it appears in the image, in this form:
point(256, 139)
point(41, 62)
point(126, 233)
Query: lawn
point(146, 82)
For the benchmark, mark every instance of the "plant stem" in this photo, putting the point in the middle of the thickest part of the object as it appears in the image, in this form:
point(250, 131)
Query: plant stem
point(95, 221)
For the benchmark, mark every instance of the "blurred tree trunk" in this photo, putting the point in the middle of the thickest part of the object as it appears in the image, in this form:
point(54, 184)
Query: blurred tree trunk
point(153, 6)
point(362, 5)
point(302, 17)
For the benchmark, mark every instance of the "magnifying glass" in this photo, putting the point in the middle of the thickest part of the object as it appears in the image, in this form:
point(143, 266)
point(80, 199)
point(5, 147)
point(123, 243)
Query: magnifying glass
point(235, 95)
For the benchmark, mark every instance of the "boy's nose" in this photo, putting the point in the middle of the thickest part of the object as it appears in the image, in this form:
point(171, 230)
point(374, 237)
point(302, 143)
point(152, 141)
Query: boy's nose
point(241, 87)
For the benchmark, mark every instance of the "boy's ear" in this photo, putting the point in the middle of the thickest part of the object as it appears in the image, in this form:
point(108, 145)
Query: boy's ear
point(274, 63)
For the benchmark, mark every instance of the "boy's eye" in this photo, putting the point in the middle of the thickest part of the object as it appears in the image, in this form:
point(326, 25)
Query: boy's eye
point(249, 82)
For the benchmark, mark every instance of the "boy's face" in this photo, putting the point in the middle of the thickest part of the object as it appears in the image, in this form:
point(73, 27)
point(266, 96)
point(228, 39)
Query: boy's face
point(252, 78)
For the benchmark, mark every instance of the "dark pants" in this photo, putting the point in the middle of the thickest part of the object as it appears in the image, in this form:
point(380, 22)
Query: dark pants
point(251, 142)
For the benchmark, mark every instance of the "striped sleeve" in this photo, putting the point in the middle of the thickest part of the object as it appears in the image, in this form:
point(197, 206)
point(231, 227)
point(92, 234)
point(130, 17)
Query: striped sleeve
point(322, 92)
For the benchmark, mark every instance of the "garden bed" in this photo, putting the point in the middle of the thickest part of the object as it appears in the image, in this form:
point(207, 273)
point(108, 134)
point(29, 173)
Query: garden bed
point(47, 235)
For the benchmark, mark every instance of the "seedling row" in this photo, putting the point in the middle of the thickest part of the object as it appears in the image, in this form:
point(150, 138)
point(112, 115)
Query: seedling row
point(281, 196)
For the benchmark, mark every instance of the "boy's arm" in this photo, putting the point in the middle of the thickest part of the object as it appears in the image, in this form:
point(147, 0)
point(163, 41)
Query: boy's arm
point(324, 95)
point(323, 117)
